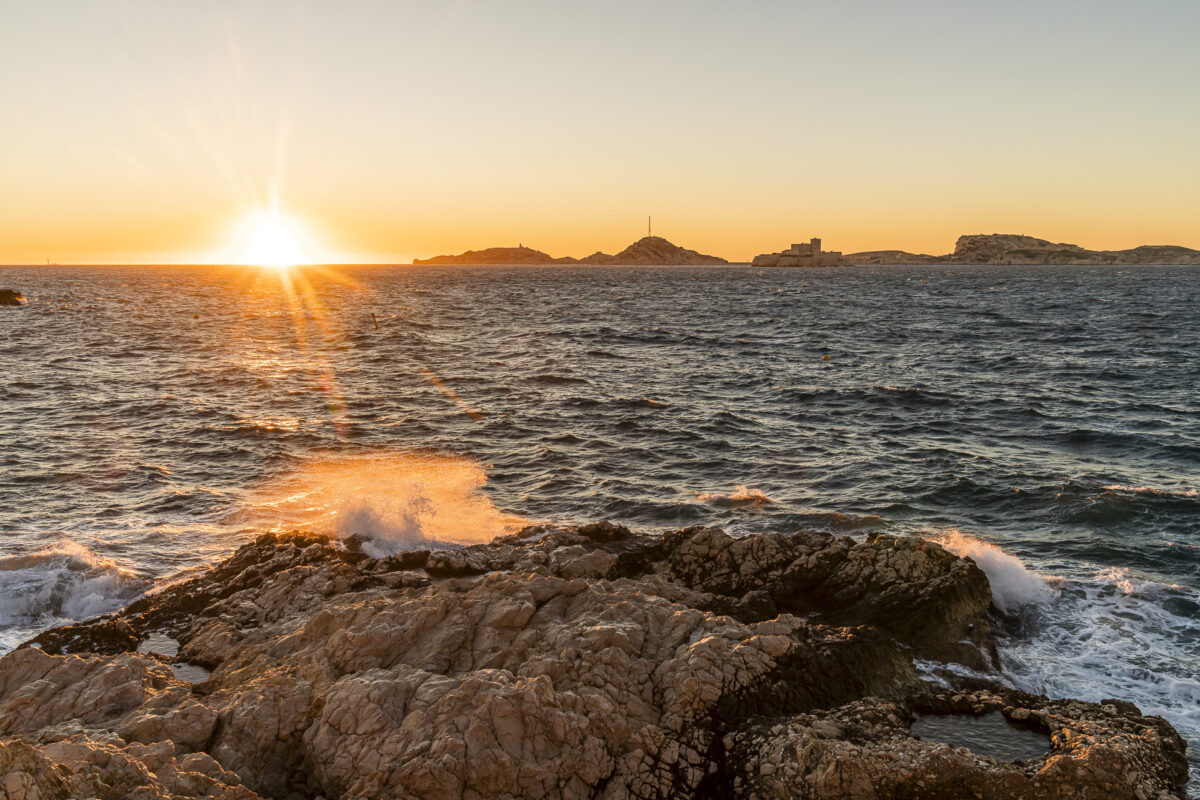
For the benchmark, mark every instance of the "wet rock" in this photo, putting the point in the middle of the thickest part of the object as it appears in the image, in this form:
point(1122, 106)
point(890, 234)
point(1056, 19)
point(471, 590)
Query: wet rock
point(866, 749)
point(109, 636)
point(559, 662)
point(11, 297)
point(915, 591)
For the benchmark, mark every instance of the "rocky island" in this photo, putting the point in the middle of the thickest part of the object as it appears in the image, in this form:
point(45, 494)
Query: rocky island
point(652, 251)
point(1006, 248)
point(498, 256)
point(11, 297)
point(647, 251)
point(995, 248)
point(560, 662)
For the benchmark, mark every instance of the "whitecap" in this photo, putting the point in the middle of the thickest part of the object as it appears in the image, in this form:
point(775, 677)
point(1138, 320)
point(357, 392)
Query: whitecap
point(740, 496)
point(1150, 490)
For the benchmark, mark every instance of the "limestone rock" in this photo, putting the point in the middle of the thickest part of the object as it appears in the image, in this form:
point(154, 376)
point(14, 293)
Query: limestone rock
point(866, 749)
point(560, 662)
point(1009, 248)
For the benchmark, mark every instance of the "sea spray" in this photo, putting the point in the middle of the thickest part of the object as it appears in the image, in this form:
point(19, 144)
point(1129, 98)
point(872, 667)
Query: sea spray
point(739, 497)
point(385, 502)
point(1013, 584)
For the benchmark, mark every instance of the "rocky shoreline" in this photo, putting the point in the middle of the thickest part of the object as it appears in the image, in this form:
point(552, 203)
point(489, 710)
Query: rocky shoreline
point(587, 662)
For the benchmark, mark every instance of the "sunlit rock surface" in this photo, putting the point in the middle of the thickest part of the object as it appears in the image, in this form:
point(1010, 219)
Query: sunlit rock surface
point(581, 662)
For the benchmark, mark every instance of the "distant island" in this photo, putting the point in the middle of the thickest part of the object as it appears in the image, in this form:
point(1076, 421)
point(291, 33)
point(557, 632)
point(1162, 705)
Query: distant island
point(647, 251)
point(980, 248)
point(1008, 248)
point(809, 254)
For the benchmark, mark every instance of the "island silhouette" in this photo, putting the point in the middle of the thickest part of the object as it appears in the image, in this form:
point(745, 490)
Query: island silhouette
point(994, 248)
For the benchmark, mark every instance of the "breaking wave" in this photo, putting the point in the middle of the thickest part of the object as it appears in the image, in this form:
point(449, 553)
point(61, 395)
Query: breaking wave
point(386, 503)
point(1117, 487)
point(739, 497)
point(1114, 634)
point(63, 583)
point(1013, 584)
point(1107, 632)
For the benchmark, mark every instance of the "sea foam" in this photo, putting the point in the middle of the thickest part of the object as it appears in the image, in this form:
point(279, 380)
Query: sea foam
point(1115, 634)
point(1105, 633)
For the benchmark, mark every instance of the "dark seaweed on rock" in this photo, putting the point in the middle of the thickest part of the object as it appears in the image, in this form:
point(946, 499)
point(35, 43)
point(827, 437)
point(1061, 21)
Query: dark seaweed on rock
point(558, 662)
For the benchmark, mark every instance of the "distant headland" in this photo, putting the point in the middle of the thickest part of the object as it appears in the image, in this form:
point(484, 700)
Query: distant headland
point(1008, 248)
point(980, 248)
point(647, 251)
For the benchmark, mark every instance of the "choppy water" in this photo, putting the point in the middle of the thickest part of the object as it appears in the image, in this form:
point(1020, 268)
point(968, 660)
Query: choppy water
point(151, 419)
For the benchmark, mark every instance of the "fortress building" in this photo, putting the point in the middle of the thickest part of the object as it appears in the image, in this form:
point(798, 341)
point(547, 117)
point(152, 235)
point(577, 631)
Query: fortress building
point(800, 255)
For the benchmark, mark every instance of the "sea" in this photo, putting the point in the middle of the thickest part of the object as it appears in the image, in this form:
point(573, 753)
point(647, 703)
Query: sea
point(1044, 420)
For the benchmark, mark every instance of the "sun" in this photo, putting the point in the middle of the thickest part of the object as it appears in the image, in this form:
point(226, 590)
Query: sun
point(273, 240)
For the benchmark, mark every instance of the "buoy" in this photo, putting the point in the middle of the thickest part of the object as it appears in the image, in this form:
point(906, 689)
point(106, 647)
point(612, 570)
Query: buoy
point(374, 320)
point(825, 357)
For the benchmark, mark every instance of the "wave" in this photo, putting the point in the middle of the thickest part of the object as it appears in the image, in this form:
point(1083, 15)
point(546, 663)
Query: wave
point(385, 502)
point(557, 380)
point(1119, 504)
point(1013, 584)
point(63, 583)
point(837, 521)
point(1115, 634)
point(1116, 487)
point(1109, 633)
point(641, 402)
point(740, 497)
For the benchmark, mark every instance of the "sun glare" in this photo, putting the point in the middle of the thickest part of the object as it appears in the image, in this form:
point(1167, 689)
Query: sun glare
point(273, 241)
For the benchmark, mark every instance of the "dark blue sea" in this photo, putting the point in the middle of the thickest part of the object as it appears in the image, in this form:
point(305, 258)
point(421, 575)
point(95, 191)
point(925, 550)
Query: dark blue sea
point(1044, 420)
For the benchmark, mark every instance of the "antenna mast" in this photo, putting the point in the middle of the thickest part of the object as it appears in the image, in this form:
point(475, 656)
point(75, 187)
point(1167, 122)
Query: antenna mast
point(648, 226)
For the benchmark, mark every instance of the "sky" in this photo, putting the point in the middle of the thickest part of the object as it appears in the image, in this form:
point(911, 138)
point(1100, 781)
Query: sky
point(151, 132)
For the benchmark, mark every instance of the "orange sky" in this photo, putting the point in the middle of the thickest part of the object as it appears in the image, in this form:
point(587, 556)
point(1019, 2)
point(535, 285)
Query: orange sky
point(148, 132)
